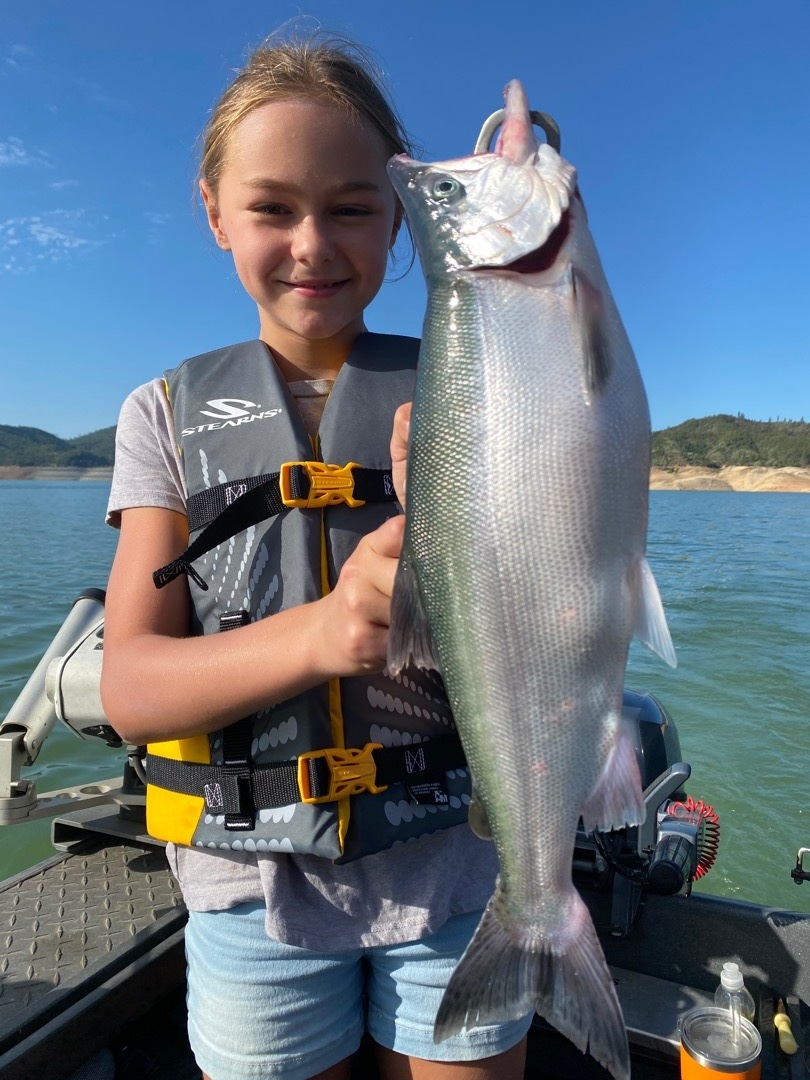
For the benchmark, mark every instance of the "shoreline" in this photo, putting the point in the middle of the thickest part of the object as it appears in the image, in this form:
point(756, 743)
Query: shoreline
point(685, 478)
point(40, 472)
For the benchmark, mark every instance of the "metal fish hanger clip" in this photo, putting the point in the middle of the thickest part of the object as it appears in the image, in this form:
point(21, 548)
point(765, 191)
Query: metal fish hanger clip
point(541, 120)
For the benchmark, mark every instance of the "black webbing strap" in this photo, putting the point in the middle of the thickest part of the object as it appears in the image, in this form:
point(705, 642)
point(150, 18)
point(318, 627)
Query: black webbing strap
point(231, 507)
point(275, 785)
point(270, 786)
point(236, 743)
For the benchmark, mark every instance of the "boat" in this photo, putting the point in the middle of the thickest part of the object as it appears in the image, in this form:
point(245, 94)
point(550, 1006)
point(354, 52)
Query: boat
point(92, 969)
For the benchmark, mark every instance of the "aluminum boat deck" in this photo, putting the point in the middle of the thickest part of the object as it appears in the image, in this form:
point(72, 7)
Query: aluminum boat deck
point(93, 963)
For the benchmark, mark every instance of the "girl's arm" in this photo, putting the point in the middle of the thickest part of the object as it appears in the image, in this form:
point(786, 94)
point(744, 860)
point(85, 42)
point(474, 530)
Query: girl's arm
point(158, 683)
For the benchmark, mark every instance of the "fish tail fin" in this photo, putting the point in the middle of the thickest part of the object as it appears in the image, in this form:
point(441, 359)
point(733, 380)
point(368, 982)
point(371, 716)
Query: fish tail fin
point(503, 975)
point(409, 637)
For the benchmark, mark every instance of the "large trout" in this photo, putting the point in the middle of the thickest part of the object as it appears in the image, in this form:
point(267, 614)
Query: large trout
point(523, 575)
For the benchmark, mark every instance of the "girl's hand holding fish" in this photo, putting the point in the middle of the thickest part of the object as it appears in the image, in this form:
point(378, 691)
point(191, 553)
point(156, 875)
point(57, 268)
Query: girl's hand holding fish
point(359, 609)
point(357, 612)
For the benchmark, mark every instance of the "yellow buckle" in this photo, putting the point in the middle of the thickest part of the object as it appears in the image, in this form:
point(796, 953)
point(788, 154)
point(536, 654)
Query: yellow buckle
point(328, 484)
point(352, 771)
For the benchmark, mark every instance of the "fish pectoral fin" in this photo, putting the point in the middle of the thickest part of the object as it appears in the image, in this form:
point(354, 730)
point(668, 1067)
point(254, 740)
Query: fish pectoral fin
point(617, 799)
point(651, 623)
point(478, 818)
point(409, 637)
point(590, 313)
point(505, 973)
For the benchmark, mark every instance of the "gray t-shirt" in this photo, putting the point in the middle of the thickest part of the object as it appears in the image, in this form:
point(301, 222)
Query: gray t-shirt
point(398, 895)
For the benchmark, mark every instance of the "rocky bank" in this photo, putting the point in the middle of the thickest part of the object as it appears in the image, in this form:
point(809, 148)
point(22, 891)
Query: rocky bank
point(730, 478)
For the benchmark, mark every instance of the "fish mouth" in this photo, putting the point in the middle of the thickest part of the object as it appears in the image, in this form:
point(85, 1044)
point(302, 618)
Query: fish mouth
point(543, 258)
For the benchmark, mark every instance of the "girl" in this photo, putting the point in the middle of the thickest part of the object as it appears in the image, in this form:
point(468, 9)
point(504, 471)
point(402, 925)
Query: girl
point(310, 920)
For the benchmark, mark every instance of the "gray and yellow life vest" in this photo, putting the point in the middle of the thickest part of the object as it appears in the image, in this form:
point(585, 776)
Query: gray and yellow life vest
point(347, 768)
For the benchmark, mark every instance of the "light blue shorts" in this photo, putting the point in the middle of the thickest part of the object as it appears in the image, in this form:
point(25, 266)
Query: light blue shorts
point(258, 1008)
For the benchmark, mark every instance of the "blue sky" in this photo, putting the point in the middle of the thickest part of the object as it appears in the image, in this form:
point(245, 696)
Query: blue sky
point(688, 121)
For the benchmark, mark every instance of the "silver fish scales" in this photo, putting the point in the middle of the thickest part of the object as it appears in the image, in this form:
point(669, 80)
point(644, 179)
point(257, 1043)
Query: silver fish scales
point(523, 575)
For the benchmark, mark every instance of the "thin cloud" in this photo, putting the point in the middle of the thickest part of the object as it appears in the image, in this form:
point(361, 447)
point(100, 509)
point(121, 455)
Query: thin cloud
point(51, 237)
point(17, 53)
point(14, 152)
point(158, 222)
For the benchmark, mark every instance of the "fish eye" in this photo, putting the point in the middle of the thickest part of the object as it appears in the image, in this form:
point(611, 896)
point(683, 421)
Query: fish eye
point(446, 188)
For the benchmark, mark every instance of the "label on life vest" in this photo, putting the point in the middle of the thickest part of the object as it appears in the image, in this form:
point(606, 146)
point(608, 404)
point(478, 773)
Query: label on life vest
point(429, 793)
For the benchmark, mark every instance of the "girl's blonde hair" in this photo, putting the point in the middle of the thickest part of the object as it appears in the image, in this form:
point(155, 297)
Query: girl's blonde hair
point(318, 67)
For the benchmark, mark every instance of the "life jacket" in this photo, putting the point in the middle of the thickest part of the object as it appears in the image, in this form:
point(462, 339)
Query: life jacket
point(347, 768)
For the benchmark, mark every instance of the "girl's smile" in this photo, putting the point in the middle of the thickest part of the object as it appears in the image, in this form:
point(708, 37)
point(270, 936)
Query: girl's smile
point(309, 225)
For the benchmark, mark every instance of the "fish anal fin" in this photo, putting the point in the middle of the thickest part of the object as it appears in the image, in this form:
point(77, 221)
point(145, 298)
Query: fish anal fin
point(616, 800)
point(505, 974)
point(590, 313)
point(409, 637)
point(651, 623)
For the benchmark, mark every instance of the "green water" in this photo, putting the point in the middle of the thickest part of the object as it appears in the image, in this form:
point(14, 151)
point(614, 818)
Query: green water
point(733, 573)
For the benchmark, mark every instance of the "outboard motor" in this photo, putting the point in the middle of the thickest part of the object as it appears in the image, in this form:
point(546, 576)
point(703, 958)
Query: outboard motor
point(676, 845)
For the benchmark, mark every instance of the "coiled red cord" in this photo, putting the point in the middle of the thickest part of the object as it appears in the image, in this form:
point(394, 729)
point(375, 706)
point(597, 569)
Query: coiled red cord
point(708, 830)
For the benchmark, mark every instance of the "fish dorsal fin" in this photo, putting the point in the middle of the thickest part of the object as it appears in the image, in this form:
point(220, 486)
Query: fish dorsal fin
point(590, 313)
point(651, 623)
point(409, 637)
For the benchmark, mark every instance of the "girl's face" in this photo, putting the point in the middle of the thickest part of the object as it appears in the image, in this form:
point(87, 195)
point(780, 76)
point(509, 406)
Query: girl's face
point(305, 206)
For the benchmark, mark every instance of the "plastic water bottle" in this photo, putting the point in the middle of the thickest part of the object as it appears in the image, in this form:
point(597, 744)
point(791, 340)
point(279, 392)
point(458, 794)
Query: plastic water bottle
point(731, 994)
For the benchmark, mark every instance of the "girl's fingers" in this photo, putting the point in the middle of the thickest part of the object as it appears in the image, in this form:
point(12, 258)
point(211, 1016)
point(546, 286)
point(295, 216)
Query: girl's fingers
point(399, 448)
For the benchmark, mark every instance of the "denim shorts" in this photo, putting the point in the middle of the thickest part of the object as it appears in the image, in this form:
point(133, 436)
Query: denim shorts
point(258, 1008)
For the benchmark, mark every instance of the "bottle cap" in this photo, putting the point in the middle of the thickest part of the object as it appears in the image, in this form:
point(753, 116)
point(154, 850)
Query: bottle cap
point(731, 977)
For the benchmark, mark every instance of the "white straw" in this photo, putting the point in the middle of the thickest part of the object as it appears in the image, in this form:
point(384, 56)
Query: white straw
point(736, 1031)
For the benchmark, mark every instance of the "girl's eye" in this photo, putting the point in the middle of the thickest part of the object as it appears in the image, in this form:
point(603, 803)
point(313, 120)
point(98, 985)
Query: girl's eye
point(272, 208)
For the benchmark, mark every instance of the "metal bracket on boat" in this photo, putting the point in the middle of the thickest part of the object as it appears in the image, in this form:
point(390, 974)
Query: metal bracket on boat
point(23, 803)
point(541, 119)
point(661, 789)
point(32, 717)
point(798, 873)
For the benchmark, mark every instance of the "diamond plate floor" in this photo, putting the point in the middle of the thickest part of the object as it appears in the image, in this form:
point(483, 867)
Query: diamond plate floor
point(71, 925)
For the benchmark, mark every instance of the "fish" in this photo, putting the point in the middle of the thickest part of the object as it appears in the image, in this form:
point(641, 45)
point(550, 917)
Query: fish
point(523, 575)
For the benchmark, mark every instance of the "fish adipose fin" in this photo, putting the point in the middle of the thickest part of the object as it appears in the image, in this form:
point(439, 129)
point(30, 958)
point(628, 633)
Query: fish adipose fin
point(504, 976)
point(409, 637)
point(616, 800)
point(651, 623)
point(590, 314)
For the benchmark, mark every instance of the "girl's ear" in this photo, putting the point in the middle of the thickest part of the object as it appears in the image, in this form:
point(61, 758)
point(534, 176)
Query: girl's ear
point(214, 217)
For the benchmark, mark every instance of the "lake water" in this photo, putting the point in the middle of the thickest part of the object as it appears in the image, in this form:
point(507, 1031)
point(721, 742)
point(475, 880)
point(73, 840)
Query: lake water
point(733, 572)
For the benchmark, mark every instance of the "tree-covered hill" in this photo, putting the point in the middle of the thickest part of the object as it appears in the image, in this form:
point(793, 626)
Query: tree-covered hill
point(715, 441)
point(27, 446)
point(711, 442)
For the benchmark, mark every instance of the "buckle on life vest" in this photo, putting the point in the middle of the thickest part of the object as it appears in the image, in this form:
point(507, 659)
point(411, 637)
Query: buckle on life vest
point(349, 772)
point(328, 484)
